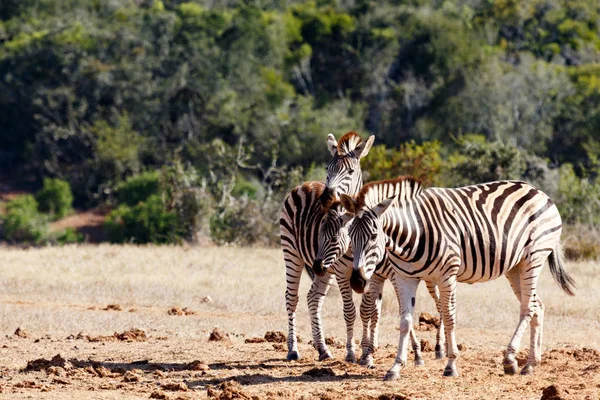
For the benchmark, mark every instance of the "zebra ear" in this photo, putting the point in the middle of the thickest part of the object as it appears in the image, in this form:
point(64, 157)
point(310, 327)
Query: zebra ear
point(383, 206)
point(363, 149)
point(332, 144)
point(348, 203)
point(327, 197)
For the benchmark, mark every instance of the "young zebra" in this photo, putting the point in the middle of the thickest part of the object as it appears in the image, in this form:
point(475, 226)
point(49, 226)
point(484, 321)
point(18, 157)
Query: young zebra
point(333, 240)
point(470, 234)
point(304, 210)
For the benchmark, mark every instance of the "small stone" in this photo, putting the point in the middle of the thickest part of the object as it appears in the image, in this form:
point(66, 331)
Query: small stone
point(23, 334)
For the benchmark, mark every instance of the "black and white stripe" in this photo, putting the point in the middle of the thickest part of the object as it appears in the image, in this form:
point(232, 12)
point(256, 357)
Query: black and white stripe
point(469, 234)
point(305, 210)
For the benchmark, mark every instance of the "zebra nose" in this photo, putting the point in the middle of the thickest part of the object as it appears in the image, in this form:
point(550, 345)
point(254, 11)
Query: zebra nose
point(358, 280)
point(318, 267)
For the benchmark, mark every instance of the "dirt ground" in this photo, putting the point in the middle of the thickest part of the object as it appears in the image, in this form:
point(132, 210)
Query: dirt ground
point(109, 322)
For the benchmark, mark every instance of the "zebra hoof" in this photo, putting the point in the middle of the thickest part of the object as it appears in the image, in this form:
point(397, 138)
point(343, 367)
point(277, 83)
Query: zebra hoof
point(511, 369)
point(419, 362)
point(367, 361)
point(293, 356)
point(450, 372)
point(325, 355)
point(392, 376)
point(351, 358)
point(439, 355)
point(527, 370)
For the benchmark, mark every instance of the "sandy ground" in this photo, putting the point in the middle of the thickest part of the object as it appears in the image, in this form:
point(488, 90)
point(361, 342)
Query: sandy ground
point(60, 299)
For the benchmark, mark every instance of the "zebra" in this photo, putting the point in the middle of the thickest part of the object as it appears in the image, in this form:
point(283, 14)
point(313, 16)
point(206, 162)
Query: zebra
point(469, 234)
point(333, 240)
point(304, 209)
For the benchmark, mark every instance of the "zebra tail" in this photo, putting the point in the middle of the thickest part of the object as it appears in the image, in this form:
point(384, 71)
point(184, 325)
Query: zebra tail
point(310, 272)
point(564, 280)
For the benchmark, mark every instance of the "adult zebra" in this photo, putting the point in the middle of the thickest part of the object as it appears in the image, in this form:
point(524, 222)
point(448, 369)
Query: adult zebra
point(469, 234)
point(304, 210)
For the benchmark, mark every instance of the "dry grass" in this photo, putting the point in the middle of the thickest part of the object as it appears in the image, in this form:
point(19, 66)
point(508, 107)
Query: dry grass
point(241, 282)
point(55, 292)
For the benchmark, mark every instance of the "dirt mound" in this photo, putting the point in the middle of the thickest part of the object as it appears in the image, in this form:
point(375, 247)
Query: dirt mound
point(428, 322)
point(175, 387)
point(583, 354)
point(255, 340)
point(113, 307)
point(41, 364)
point(393, 396)
point(218, 335)
point(159, 394)
point(275, 337)
point(553, 392)
point(197, 365)
point(180, 311)
point(227, 390)
point(319, 372)
point(426, 345)
point(132, 335)
point(21, 333)
point(333, 342)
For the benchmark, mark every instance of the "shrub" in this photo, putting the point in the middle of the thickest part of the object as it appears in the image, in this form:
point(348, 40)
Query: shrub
point(23, 222)
point(478, 161)
point(138, 188)
point(69, 235)
point(581, 243)
point(55, 198)
point(421, 161)
point(579, 198)
point(243, 223)
point(146, 222)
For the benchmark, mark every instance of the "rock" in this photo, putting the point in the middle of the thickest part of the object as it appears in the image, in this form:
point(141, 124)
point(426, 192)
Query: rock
point(23, 334)
point(218, 335)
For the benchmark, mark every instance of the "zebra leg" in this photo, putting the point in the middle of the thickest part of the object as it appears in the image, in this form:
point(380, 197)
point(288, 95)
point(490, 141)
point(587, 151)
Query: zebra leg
point(530, 313)
point(448, 301)
point(415, 343)
point(349, 315)
point(370, 310)
point(407, 289)
point(510, 358)
point(529, 275)
point(434, 292)
point(315, 298)
point(293, 272)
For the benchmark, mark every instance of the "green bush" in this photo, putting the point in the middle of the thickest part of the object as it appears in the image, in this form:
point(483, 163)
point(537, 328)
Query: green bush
point(69, 235)
point(478, 161)
point(581, 242)
point(244, 224)
point(55, 198)
point(138, 188)
point(23, 222)
point(146, 222)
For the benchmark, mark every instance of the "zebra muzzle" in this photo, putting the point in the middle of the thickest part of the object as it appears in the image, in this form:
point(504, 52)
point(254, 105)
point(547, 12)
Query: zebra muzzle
point(358, 280)
point(318, 267)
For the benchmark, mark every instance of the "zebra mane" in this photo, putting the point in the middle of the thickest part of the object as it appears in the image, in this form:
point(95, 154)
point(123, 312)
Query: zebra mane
point(373, 193)
point(348, 143)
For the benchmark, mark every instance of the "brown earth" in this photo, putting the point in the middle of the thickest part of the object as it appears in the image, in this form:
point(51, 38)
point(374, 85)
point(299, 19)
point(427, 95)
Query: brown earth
point(73, 349)
point(235, 370)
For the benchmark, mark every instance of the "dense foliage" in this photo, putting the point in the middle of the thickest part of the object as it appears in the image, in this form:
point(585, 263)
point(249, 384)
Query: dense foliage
point(232, 101)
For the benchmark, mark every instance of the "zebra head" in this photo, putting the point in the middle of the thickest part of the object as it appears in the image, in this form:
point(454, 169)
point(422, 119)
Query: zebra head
point(343, 171)
point(333, 237)
point(367, 238)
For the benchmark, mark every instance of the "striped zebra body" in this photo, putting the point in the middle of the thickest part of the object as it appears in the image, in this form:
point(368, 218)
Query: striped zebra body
point(331, 235)
point(471, 234)
point(304, 210)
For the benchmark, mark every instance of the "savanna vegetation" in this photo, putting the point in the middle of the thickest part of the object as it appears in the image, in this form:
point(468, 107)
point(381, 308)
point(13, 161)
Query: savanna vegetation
point(193, 119)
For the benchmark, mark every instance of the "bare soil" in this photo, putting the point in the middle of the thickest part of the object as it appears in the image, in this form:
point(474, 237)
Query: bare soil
point(68, 347)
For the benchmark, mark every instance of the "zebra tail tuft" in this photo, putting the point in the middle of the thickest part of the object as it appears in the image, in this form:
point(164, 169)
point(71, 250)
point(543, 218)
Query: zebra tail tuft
point(310, 272)
point(564, 280)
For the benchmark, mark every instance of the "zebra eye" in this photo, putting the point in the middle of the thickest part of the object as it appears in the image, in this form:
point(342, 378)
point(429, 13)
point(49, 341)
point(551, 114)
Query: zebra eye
point(351, 171)
point(373, 236)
